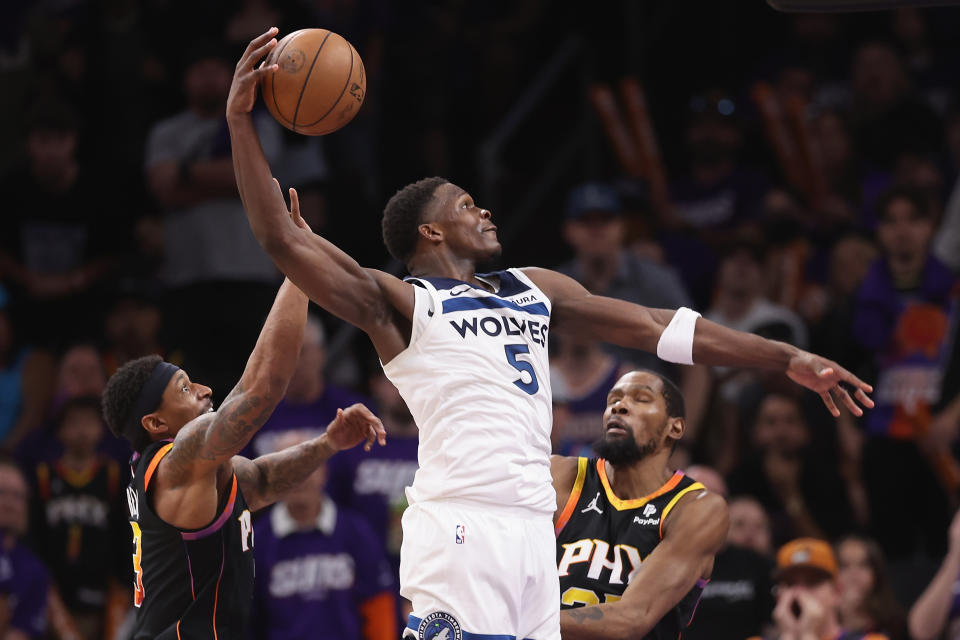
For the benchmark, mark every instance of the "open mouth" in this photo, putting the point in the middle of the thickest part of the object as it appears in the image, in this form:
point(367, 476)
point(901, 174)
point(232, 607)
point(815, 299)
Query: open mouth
point(616, 428)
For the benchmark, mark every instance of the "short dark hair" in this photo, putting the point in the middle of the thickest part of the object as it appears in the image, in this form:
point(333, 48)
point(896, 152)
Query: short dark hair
point(672, 397)
point(80, 403)
point(120, 395)
point(404, 213)
point(916, 197)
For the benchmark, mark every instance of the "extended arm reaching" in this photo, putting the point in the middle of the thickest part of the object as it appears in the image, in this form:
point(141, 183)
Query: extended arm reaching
point(366, 298)
point(693, 535)
point(268, 477)
point(200, 447)
point(576, 311)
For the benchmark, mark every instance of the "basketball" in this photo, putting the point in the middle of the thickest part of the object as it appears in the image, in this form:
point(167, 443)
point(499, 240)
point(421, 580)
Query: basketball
point(319, 85)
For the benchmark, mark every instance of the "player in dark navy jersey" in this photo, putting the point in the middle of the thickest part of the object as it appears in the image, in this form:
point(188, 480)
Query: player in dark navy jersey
point(190, 496)
point(635, 540)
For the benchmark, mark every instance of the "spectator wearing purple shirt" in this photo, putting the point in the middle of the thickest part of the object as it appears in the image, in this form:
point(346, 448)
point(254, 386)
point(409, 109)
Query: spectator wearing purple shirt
point(24, 581)
point(310, 403)
point(906, 315)
point(321, 571)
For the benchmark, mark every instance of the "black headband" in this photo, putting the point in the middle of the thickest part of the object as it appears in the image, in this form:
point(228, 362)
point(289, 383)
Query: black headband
point(150, 396)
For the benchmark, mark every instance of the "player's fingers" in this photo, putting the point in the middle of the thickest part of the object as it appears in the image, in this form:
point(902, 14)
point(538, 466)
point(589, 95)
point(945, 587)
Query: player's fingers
point(256, 43)
point(848, 401)
point(295, 205)
point(863, 398)
point(260, 52)
point(371, 437)
point(831, 405)
point(856, 382)
point(264, 70)
point(379, 431)
point(826, 372)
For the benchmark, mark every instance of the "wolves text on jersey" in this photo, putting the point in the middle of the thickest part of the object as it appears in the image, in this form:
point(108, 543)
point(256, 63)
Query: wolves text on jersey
point(495, 325)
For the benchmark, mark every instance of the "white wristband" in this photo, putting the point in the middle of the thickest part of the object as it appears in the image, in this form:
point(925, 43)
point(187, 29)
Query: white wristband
point(676, 341)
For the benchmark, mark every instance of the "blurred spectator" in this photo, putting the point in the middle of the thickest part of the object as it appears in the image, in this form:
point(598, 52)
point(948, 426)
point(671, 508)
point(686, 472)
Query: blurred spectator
point(750, 526)
point(373, 483)
point(321, 572)
point(887, 118)
point(715, 194)
point(936, 613)
point(808, 600)
point(930, 72)
point(80, 374)
point(708, 477)
point(58, 237)
point(217, 301)
point(311, 402)
point(906, 310)
point(800, 490)
point(737, 601)
point(26, 383)
point(584, 374)
point(867, 602)
point(831, 315)
point(131, 330)
point(595, 229)
point(739, 303)
point(78, 516)
point(24, 582)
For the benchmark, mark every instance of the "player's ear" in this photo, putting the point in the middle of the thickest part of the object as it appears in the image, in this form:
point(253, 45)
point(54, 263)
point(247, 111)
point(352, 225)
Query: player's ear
point(153, 423)
point(431, 232)
point(676, 428)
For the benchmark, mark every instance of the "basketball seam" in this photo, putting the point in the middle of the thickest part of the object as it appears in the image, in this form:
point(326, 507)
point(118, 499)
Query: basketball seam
point(307, 79)
point(273, 84)
point(344, 90)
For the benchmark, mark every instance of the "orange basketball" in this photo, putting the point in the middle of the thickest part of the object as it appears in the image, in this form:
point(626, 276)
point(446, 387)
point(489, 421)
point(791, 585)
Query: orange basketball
point(319, 85)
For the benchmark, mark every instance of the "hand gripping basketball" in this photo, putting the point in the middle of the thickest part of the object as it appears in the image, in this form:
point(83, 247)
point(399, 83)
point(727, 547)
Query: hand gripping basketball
point(243, 89)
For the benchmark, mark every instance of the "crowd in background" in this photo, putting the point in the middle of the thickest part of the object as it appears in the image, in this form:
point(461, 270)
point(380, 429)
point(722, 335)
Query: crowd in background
point(835, 228)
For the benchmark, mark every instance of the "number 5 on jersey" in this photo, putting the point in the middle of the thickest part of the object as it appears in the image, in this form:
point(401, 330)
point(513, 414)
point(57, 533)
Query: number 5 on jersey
point(523, 366)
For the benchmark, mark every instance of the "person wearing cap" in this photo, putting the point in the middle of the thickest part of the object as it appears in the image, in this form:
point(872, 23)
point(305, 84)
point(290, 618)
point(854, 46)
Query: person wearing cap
point(190, 496)
point(595, 228)
point(807, 599)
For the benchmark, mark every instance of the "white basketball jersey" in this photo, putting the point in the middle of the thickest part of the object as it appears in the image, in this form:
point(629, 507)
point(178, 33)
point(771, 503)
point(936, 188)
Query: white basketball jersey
point(476, 378)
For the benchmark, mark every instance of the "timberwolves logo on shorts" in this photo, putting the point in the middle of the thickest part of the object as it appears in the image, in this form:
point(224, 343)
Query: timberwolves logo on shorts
point(439, 626)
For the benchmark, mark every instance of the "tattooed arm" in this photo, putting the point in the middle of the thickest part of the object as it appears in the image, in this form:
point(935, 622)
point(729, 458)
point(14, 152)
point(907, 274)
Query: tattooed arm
point(267, 478)
point(189, 476)
point(692, 535)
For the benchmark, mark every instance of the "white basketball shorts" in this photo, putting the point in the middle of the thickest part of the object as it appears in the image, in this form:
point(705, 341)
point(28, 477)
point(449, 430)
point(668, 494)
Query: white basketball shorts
point(475, 575)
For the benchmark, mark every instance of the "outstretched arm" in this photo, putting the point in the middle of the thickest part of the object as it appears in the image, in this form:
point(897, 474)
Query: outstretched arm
point(576, 311)
point(694, 533)
point(186, 474)
point(373, 301)
point(267, 478)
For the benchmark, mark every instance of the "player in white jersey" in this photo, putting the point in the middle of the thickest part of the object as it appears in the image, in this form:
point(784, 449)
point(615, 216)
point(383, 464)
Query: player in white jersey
point(468, 353)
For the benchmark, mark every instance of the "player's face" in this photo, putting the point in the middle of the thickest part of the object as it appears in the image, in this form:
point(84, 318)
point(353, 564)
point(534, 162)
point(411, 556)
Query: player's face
point(468, 229)
point(183, 401)
point(636, 411)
